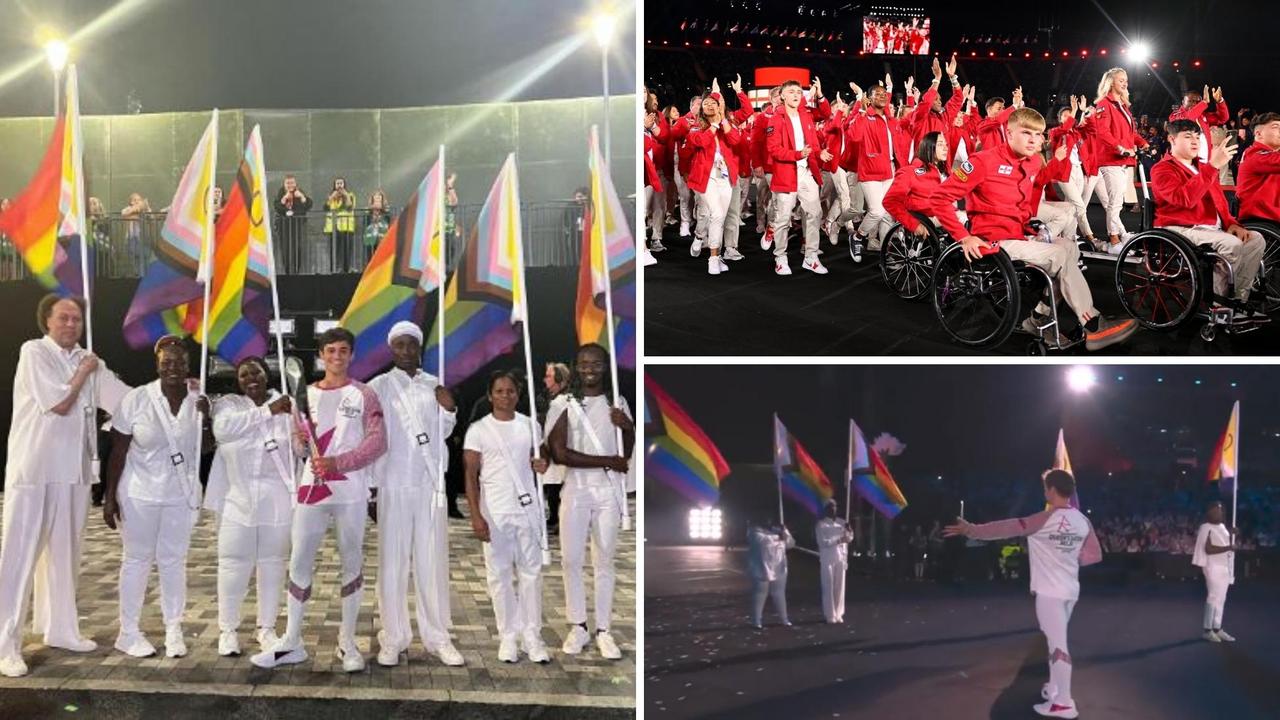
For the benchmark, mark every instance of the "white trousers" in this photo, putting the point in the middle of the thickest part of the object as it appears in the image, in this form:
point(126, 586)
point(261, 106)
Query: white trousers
point(1060, 217)
point(153, 534)
point(241, 549)
point(831, 571)
point(1073, 190)
point(876, 221)
point(1217, 580)
point(1061, 260)
point(806, 195)
point(776, 589)
point(1245, 257)
point(733, 218)
point(589, 512)
point(413, 534)
point(43, 529)
point(764, 202)
point(1113, 177)
point(657, 204)
point(682, 192)
point(513, 570)
point(309, 525)
point(713, 207)
point(1054, 614)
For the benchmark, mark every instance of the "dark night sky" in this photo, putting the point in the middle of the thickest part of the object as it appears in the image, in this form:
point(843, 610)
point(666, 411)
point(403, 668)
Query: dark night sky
point(197, 54)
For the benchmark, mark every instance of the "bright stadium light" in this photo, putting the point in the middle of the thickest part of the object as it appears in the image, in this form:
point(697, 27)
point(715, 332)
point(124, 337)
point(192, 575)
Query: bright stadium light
point(705, 524)
point(56, 51)
point(1139, 52)
point(602, 27)
point(1081, 378)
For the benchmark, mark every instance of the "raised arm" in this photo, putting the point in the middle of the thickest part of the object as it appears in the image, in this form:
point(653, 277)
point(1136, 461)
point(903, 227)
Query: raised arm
point(999, 529)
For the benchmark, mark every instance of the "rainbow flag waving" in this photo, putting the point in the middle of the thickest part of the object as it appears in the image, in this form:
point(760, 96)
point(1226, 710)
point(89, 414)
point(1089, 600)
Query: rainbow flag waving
point(680, 454)
point(483, 301)
point(608, 258)
point(799, 476)
point(1062, 462)
point(46, 221)
point(870, 476)
point(184, 252)
point(1225, 464)
point(403, 269)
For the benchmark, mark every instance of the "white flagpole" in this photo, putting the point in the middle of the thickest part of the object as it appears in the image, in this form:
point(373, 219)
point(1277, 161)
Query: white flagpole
point(260, 180)
point(77, 159)
point(848, 478)
point(208, 256)
point(608, 317)
point(440, 292)
point(777, 469)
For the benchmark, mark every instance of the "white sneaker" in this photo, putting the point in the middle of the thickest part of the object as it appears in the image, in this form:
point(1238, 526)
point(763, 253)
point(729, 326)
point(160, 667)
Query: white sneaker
point(608, 648)
point(351, 659)
point(448, 654)
point(1052, 709)
point(732, 254)
point(649, 259)
point(174, 644)
point(578, 637)
point(1223, 636)
point(684, 229)
point(266, 638)
point(1212, 636)
point(12, 666)
point(228, 644)
point(766, 240)
point(724, 266)
point(781, 267)
point(388, 652)
point(713, 265)
point(80, 645)
point(508, 652)
point(1114, 248)
point(282, 653)
point(135, 646)
point(695, 248)
point(535, 649)
point(832, 231)
point(814, 265)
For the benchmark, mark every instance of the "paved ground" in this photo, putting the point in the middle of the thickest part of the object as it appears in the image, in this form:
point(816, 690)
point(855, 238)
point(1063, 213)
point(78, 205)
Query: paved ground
point(106, 683)
point(920, 650)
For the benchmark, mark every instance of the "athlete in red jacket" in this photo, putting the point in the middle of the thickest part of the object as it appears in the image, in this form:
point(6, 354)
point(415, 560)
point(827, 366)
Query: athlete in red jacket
point(792, 142)
point(1072, 191)
point(679, 130)
point(913, 187)
point(1000, 187)
point(880, 140)
point(1258, 179)
point(1115, 143)
point(992, 130)
point(656, 134)
point(762, 166)
point(1195, 106)
point(929, 114)
point(713, 172)
point(1190, 202)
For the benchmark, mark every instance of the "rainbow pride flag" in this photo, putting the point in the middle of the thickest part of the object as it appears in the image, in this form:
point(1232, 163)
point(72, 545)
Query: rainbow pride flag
point(184, 252)
point(680, 454)
point(46, 221)
point(483, 299)
point(870, 477)
point(799, 475)
point(403, 269)
point(608, 257)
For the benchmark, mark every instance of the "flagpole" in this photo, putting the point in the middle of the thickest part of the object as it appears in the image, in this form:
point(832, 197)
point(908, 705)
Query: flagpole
point(207, 281)
point(77, 159)
point(777, 470)
point(440, 292)
point(848, 477)
point(259, 180)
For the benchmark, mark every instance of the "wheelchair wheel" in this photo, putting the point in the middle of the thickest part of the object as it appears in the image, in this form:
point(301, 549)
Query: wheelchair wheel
point(1159, 279)
point(906, 261)
point(977, 303)
point(1268, 281)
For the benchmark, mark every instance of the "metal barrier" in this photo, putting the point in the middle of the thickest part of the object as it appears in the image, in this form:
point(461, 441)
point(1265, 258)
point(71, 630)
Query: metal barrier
point(123, 247)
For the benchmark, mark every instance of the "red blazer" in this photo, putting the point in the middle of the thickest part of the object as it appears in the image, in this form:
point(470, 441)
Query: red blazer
point(1258, 183)
point(781, 144)
point(1001, 192)
point(702, 145)
point(1204, 117)
point(651, 178)
point(1113, 125)
point(680, 131)
point(991, 131)
point(832, 138)
point(964, 132)
point(873, 134)
point(923, 120)
point(1188, 198)
point(662, 153)
point(912, 191)
point(759, 153)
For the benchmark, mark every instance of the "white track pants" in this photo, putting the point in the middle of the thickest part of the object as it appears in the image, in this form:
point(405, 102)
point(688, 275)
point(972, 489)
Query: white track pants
point(153, 534)
point(682, 192)
point(831, 571)
point(764, 202)
point(589, 512)
point(1074, 192)
point(413, 534)
point(876, 221)
point(713, 208)
point(1217, 580)
point(1053, 615)
point(1114, 177)
point(806, 195)
point(513, 570)
point(309, 525)
point(733, 218)
point(241, 550)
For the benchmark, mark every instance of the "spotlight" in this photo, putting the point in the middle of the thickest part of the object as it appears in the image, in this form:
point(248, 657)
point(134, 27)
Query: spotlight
point(1081, 378)
point(705, 524)
point(1139, 52)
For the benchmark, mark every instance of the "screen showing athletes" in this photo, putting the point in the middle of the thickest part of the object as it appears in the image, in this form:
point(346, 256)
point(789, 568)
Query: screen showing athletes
point(895, 36)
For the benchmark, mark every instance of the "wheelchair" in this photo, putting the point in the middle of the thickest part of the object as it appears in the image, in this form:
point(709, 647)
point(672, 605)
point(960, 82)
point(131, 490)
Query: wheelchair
point(907, 260)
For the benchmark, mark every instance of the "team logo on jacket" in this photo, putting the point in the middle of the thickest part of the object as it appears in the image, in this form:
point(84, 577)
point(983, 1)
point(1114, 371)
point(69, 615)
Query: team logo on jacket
point(962, 172)
point(920, 171)
point(1005, 170)
point(769, 130)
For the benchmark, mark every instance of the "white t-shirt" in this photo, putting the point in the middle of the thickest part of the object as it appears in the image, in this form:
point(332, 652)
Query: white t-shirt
point(151, 472)
point(596, 411)
point(798, 131)
point(1054, 550)
point(499, 491)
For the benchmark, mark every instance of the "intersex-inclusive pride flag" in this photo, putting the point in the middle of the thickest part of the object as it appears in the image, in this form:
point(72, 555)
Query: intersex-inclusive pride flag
point(403, 269)
point(870, 476)
point(483, 301)
point(184, 252)
point(680, 454)
point(1225, 465)
point(608, 255)
point(798, 473)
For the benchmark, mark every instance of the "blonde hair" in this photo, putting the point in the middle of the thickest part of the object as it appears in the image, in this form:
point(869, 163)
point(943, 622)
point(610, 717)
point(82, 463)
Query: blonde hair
point(1026, 117)
point(1108, 80)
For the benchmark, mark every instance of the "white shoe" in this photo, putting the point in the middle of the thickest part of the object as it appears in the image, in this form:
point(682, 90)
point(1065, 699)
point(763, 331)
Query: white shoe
point(814, 265)
point(713, 265)
point(608, 648)
point(351, 659)
point(12, 666)
point(535, 649)
point(448, 654)
point(508, 652)
point(80, 645)
point(266, 638)
point(135, 646)
point(1223, 636)
point(1052, 709)
point(781, 267)
point(1114, 248)
point(388, 652)
point(655, 245)
point(649, 259)
point(174, 644)
point(280, 654)
point(724, 266)
point(684, 229)
point(695, 248)
point(832, 231)
point(732, 254)
point(578, 637)
point(766, 240)
point(1212, 636)
point(228, 644)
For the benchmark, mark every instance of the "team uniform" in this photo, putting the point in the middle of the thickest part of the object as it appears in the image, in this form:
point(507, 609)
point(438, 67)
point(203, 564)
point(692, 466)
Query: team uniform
point(1258, 183)
point(767, 567)
point(833, 537)
point(1219, 574)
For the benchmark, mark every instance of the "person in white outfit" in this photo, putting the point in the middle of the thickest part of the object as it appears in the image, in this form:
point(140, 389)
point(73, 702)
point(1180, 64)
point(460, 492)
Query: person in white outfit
point(153, 494)
point(582, 434)
point(413, 524)
point(57, 390)
point(767, 545)
point(342, 433)
point(1060, 540)
point(1215, 555)
point(251, 491)
point(507, 517)
point(833, 535)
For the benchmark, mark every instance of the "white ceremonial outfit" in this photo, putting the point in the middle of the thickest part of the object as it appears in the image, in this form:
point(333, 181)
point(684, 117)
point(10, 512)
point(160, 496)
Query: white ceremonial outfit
point(159, 499)
point(46, 493)
point(413, 524)
point(592, 504)
point(1219, 571)
point(833, 563)
point(251, 489)
point(511, 505)
point(767, 566)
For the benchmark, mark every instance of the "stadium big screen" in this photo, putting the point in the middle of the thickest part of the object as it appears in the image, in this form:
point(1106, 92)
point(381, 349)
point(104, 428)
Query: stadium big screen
point(895, 35)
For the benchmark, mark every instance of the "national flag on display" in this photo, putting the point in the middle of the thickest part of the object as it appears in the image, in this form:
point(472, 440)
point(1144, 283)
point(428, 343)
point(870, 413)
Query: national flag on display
point(241, 291)
point(1062, 462)
point(801, 478)
point(46, 221)
point(680, 454)
point(869, 475)
point(1226, 454)
point(184, 252)
point(404, 268)
point(608, 256)
point(482, 303)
